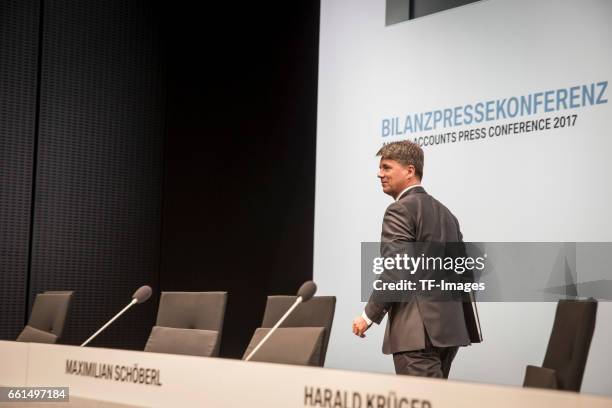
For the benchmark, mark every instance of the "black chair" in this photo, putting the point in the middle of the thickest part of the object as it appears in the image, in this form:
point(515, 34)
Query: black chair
point(188, 323)
point(288, 345)
point(568, 347)
point(317, 313)
point(48, 318)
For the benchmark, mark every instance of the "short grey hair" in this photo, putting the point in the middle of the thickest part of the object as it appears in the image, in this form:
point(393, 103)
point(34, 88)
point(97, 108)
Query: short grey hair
point(404, 152)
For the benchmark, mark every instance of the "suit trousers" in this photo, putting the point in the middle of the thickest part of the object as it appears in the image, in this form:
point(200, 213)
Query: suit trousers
point(431, 361)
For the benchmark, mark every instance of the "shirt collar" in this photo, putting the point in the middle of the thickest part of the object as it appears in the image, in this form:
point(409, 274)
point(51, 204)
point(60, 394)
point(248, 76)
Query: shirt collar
point(406, 189)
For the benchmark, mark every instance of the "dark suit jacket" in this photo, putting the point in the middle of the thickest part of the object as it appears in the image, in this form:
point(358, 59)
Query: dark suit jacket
point(418, 217)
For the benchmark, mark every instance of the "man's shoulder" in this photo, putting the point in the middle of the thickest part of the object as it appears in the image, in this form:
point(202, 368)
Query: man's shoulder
point(442, 206)
point(415, 202)
point(397, 208)
point(413, 198)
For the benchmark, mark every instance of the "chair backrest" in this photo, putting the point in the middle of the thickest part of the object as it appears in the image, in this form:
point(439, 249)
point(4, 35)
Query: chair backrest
point(49, 312)
point(288, 345)
point(193, 310)
point(570, 340)
point(30, 334)
point(317, 312)
point(191, 342)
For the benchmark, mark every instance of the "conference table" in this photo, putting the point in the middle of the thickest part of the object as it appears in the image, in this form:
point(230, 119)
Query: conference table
point(99, 377)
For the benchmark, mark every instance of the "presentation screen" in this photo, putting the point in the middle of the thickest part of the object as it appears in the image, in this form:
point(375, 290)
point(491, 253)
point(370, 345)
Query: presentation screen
point(509, 100)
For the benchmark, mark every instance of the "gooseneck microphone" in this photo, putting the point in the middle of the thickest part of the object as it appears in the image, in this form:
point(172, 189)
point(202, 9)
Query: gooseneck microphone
point(305, 293)
point(141, 295)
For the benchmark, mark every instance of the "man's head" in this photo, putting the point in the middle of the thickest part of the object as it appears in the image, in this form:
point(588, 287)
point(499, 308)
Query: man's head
point(401, 166)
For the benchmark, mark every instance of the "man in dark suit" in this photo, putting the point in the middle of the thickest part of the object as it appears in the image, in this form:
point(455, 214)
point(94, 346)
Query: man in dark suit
point(423, 331)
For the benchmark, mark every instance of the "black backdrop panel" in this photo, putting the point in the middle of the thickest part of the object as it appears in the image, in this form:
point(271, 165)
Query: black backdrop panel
point(420, 8)
point(19, 21)
point(240, 155)
point(98, 186)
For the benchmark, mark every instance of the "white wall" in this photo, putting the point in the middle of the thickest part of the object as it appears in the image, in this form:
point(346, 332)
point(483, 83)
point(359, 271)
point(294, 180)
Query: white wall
point(542, 186)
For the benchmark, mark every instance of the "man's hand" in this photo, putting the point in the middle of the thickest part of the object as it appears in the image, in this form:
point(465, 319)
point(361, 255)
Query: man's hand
point(360, 326)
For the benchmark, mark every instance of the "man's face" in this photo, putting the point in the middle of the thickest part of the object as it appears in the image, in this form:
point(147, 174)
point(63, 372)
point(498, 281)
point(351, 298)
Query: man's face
point(394, 176)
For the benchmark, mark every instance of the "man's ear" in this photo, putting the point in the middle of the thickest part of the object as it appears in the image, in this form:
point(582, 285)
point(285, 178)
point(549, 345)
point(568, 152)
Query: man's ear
point(410, 171)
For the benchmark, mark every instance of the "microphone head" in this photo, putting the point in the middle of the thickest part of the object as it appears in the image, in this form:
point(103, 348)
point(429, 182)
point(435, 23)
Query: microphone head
point(142, 294)
point(307, 290)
